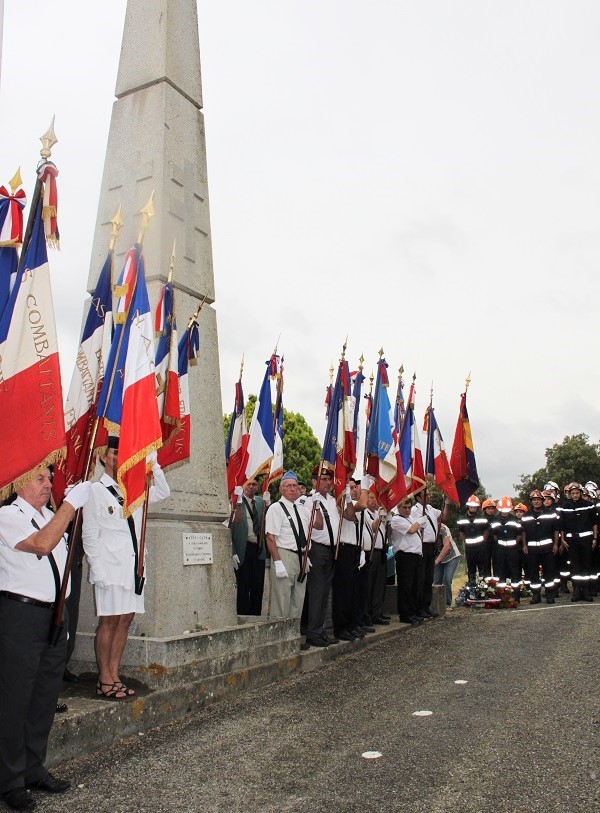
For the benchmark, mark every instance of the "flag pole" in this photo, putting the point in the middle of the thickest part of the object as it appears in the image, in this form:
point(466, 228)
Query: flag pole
point(342, 507)
point(233, 505)
point(368, 420)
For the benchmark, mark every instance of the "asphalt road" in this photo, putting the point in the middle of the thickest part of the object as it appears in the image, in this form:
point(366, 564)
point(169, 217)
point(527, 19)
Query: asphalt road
point(520, 735)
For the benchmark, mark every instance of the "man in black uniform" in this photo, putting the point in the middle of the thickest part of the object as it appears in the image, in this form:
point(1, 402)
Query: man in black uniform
point(540, 535)
point(507, 533)
point(474, 531)
point(579, 535)
point(33, 556)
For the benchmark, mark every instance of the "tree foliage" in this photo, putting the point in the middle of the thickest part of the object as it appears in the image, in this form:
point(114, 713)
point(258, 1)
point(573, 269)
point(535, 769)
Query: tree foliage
point(575, 459)
point(301, 449)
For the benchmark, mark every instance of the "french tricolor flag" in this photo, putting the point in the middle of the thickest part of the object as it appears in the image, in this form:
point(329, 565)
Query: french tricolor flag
point(410, 449)
point(167, 365)
point(80, 408)
point(436, 461)
point(261, 443)
point(178, 451)
point(236, 446)
point(382, 460)
point(128, 397)
point(30, 387)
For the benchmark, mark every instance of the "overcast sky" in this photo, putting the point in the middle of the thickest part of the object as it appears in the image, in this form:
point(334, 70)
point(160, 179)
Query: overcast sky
point(420, 176)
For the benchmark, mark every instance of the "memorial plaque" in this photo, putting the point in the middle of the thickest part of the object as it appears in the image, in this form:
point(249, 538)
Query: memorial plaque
point(197, 549)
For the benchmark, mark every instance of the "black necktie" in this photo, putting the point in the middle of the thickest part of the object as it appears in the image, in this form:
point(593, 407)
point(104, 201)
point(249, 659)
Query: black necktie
point(254, 516)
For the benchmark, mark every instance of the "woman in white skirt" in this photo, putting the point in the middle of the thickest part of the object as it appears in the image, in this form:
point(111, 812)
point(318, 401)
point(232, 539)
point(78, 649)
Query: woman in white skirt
point(109, 547)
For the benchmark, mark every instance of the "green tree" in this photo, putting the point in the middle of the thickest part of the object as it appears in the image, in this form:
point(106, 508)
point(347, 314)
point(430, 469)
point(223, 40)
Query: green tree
point(575, 459)
point(301, 449)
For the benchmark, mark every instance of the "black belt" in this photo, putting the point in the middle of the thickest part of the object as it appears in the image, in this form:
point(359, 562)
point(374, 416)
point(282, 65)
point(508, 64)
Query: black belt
point(47, 605)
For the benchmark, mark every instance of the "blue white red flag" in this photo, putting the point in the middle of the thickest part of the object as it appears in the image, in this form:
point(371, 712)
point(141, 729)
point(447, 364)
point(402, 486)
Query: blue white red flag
point(357, 379)
point(381, 444)
point(11, 236)
point(436, 461)
point(236, 446)
point(261, 443)
point(129, 407)
point(339, 451)
point(277, 469)
point(167, 365)
point(462, 461)
point(178, 452)
point(80, 408)
point(31, 401)
point(410, 449)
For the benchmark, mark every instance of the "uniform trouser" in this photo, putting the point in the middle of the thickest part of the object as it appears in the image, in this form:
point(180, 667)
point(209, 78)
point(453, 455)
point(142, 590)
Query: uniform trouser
point(377, 583)
point(250, 578)
point(345, 588)
point(287, 595)
point(580, 551)
point(443, 574)
point(363, 614)
point(31, 674)
point(478, 559)
point(318, 586)
point(408, 575)
point(508, 565)
point(541, 555)
point(595, 566)
point(493, 545)
point(72, 603)
point(427, 566)
point(523, 565)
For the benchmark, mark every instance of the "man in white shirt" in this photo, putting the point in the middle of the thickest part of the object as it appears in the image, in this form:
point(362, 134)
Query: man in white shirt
point(33, 556)
point(376, 550)
point(287, 528)
point(408, 552)
point(434, 517)
point(346, 599)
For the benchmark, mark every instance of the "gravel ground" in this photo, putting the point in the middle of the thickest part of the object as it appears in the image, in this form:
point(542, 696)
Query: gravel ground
point(522, 734)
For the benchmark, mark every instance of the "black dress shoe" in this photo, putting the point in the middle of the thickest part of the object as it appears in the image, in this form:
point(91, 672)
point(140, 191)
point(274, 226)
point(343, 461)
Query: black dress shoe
point(330, 640)
point(367, 629)
point(382, 622)
point(428, 614)
point(418, 619)
point(313, 641)
point(18, 799)
point(406, 619)
point(346, 636)
point(386, 617)
point(61, 708)
point(69, 677)
point(357, 632)
point(51, 784)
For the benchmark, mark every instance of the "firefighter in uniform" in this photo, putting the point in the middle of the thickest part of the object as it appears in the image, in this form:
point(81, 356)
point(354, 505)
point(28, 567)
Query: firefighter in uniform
point(489, 514)
point(507, 533)
point(579, 536)
point(563, 561)
point(540, 535)
point(592, 489)
point(474, 532)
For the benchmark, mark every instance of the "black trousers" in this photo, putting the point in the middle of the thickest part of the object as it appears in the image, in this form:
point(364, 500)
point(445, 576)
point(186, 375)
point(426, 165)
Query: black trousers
point(408, 574)
point(345, 588)
point(541, 556)
point(377, 583)
point(363, 614)
point(508, 565)
point(72, 603)
point(30, 678)
point(250, 578)
point(478, 560)
point(580, 552)
point(427, 568)
point(318, 585)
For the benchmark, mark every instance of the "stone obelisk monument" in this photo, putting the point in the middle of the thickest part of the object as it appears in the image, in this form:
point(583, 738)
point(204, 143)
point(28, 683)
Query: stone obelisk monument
point(156, 143)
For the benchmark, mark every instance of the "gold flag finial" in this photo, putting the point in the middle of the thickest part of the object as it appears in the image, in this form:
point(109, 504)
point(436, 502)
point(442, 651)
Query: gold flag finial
point(371, 379)
point(344, 346)
point(172, 263)
point(16, 181)
point(400, 372)
point(276, 345)
point(361, 361)
point(48, 140)
point(242, 367)
point(414, 377)
point(468, 381)
point(330, 373)
point(381, 352)
point(194, 318)
point(147, 214)
point(116, 225)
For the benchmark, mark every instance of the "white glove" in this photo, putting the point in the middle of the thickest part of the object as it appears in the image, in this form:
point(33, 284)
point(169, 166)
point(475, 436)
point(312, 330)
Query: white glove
point(308, 566)
point(102, 585)
point(236, 561)
point(348, 494)
point(423, 521)
point(267, 497)
point(383, 514)
point(238, 491)
point(280, 570)
point(78, 495)
point(363, 559)
point(367, 481)
point(389, 517)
